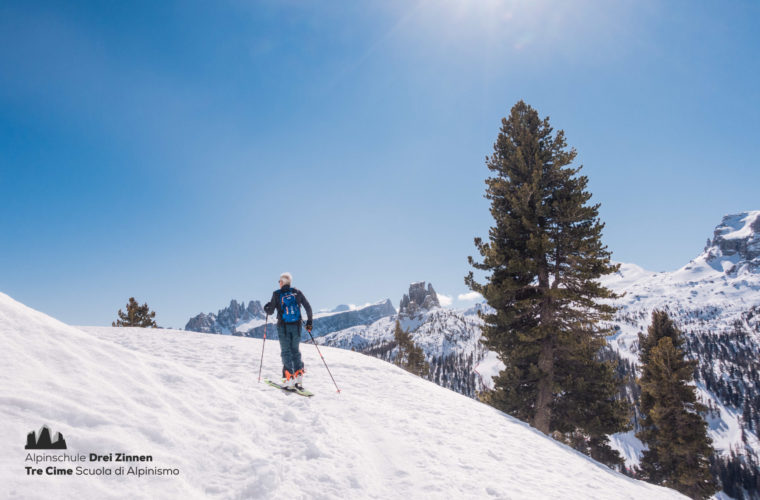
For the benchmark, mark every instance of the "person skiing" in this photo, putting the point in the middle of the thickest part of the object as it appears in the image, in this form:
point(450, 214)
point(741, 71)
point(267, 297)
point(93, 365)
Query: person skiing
point(288, 301)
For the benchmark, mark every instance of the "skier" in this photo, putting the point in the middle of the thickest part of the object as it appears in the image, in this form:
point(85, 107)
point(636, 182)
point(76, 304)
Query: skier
point(288, 301)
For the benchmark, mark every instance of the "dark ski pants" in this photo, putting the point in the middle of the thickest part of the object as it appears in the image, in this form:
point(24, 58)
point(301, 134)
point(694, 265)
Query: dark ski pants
point(290, 340)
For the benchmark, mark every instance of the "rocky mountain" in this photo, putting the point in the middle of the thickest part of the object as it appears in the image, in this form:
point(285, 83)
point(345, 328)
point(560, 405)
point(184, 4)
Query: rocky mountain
point(235, 318)
point(418, 299)
point(735, 247)
point(449, 338)
point(249, 321)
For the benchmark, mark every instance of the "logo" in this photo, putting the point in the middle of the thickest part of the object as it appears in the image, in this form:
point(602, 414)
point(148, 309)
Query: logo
point(41, 440)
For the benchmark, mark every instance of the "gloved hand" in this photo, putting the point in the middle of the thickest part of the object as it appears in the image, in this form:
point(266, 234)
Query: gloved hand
point(308, 325)
point(269, 308)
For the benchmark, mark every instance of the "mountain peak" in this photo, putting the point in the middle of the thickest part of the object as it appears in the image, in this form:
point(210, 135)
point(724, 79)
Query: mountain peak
point(735, 246)
point(418, 299)
point(228, 319)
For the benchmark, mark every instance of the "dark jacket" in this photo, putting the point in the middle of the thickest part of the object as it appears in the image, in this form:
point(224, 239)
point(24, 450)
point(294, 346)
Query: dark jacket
point(273, 304)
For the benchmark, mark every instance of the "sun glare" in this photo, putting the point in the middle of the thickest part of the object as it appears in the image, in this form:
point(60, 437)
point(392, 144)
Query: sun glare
point(515, 25)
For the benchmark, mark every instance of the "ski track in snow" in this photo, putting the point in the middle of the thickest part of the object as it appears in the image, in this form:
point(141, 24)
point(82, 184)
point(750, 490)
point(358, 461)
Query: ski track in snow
point(192, 400)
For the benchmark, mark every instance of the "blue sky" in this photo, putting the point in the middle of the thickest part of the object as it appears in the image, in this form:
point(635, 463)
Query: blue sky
point(187, 153)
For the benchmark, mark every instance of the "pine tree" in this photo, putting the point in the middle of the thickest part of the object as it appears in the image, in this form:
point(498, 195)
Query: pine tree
point(410, 356)
point(416, 362)
point(544, 257)
point(401, 338)
point(136, 315)
point(672, 427)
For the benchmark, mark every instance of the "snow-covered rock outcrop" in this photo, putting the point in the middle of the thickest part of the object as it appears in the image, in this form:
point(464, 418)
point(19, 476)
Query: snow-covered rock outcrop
point(735, 247)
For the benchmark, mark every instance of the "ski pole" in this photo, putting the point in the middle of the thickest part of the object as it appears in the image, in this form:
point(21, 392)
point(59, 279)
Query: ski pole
point(266, 321)
point(323, 359)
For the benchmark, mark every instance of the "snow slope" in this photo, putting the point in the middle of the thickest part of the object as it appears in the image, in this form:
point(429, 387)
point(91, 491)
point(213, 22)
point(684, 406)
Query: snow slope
point(192, 402)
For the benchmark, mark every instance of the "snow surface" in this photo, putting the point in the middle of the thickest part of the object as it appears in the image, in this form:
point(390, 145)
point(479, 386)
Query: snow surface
point(191, 400)
point(248, 325)
point(488, 368)
point(349, 307)
point(630, 447)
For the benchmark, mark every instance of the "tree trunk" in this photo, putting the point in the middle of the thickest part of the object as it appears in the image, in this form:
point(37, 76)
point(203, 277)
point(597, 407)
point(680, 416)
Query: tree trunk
point(542, 418)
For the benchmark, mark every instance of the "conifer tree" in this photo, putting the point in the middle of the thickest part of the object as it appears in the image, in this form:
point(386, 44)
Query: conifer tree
point(410, 356)
point(544, 259)
point(415, 361)
point(136, 315)
point(672, 427)
point(401, 338)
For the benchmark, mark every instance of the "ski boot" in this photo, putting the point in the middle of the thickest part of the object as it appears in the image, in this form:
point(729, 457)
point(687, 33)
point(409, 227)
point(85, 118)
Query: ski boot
point(298, 376)
point(289, 382)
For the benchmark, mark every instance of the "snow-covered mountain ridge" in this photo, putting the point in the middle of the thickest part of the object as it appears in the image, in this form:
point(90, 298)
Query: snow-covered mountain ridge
point(715, 300)
point(191, 402)
point(725, 277)
point(326, 322)
point(250, 321)
point(227, 321)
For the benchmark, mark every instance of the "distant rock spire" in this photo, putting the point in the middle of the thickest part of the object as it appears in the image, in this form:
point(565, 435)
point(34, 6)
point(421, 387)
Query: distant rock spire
point(418, 299)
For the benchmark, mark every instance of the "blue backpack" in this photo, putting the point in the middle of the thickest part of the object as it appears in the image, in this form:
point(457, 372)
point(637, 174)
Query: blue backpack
point(291, 311)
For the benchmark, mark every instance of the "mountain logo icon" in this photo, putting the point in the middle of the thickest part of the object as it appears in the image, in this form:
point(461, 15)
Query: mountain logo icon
point(41, 440)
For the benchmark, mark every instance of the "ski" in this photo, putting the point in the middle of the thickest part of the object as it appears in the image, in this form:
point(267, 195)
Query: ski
point(302, 392)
